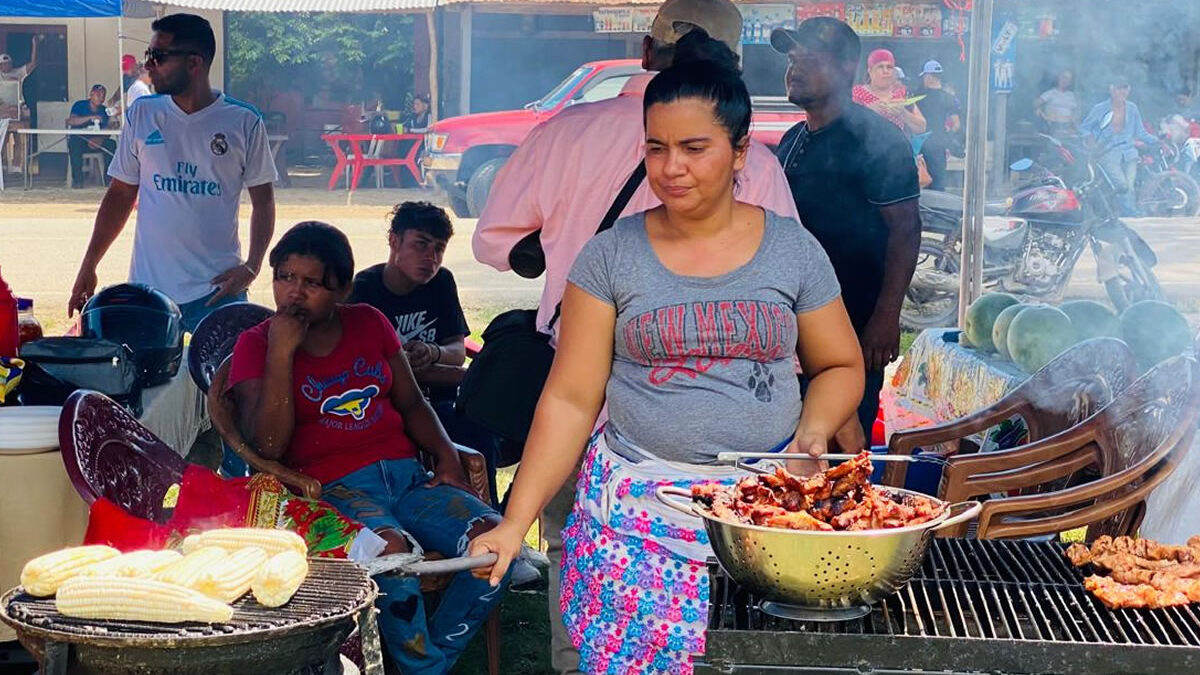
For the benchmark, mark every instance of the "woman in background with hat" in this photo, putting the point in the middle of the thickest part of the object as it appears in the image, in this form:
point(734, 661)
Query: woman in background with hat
point(883, 94)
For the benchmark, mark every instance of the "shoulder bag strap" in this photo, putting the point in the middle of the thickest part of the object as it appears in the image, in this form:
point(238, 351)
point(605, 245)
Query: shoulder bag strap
point(618, 205)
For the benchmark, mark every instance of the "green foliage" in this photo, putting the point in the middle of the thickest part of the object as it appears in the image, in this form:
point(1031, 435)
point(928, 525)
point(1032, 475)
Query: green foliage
point(353, 55)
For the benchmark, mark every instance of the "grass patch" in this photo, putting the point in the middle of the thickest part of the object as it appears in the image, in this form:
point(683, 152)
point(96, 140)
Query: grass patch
point(525, 638)
point(906, 341)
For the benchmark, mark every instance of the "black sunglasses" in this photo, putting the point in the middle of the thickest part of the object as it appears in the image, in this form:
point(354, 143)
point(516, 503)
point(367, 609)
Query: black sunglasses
point(159, 55)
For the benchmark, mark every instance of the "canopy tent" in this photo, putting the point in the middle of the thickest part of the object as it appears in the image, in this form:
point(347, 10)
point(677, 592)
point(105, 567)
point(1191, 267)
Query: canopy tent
point(61, 8)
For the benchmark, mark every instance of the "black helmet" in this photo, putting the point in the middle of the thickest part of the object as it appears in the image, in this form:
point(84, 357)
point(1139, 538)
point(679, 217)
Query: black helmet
point(145, 320)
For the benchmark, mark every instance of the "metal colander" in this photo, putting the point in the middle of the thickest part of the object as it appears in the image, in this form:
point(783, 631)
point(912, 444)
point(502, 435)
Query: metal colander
point(819, 575)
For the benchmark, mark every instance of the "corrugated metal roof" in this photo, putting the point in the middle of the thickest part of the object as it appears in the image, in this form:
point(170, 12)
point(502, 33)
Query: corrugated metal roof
point(305, 5)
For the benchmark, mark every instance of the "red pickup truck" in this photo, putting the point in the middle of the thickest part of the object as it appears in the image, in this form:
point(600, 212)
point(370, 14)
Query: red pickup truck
point(463, 154)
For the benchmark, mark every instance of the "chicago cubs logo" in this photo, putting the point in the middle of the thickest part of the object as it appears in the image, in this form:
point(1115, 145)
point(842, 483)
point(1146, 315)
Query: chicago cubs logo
point(353, 403)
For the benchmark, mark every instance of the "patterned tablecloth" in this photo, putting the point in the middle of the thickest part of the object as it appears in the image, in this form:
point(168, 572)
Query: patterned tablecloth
point(941, 380)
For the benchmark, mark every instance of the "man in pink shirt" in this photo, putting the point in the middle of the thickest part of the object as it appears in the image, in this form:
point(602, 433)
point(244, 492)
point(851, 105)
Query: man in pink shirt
point(568, 171)
point(564, 177)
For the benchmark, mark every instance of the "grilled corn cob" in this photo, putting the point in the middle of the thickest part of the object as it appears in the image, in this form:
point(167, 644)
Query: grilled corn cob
point(136, 564)
point(43, 575)
point(269, 540)
point(230, 579)
point(137, 600)
point(188, 570)
point(279, 578)
point(190, 543)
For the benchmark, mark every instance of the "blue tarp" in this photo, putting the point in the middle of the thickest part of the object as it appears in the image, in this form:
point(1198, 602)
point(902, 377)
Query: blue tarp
point(60, 8)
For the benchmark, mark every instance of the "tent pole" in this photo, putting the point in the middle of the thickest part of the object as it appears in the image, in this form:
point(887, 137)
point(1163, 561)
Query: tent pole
point(431, 26)
point(120, 57)
point(970, 276)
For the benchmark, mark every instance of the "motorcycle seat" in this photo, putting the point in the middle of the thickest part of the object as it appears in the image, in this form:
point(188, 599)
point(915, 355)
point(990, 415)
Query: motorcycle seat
point(948, 202)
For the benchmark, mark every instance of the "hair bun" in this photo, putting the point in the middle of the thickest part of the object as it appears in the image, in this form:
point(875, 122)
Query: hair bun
point(697, 46)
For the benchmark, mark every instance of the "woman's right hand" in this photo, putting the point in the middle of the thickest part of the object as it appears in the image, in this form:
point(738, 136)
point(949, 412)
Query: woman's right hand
point(286, 332)
point(505, 541)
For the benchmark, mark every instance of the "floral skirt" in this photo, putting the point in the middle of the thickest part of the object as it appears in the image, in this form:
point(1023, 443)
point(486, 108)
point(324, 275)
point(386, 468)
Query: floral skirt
point(634, 592)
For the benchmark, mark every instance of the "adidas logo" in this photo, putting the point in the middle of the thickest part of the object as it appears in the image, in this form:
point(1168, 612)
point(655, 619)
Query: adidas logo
point(155, 138)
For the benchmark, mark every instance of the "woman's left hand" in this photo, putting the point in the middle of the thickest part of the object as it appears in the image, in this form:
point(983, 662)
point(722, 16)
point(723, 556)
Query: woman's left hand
point(450, 472)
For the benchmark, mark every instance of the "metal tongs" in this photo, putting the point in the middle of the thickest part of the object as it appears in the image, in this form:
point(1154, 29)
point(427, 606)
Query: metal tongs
point(738, 458)
point(414, 564)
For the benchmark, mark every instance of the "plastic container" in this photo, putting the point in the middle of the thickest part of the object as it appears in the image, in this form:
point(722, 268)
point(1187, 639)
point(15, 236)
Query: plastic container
point(9, 334)
point(28, 327)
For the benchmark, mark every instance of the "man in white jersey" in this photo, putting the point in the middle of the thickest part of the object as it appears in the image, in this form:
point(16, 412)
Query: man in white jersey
point(185, 155)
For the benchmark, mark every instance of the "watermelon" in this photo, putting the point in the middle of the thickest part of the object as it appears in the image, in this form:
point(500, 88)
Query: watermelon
point(1000, 327)
point(1091, 319)
point(1154, 331)
point(981, 315)
point(1037, 335)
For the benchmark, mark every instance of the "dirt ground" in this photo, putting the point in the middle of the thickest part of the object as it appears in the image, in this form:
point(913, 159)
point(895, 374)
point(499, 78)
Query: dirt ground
point(44, 232)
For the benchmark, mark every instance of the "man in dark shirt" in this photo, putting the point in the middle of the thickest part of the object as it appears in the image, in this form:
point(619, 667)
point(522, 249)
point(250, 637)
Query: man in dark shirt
point(89, 113)
point(854, 179)
point(940, 109)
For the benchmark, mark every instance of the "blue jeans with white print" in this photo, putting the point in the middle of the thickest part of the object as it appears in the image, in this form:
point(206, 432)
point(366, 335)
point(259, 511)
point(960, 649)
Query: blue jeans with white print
point(392, 495)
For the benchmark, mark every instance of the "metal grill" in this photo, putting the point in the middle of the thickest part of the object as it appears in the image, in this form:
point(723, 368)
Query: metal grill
point(300, 637)
point(975, 606)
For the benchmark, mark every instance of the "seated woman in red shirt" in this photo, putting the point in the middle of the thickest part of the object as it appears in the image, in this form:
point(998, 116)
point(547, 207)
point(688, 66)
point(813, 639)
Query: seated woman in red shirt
point(326, 388)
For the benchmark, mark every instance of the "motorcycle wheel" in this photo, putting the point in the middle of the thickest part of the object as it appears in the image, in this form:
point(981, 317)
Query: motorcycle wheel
point(1170, 194)
point(1135, 283)
point(926, 306)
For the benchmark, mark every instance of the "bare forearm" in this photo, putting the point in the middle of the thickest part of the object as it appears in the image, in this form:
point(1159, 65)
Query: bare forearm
point(832, 397)
point(904, 242)
point(557, 439)
point(110, 220)
point(422, 425)
point(276, 411)
point(262, 227)
point(452, 354)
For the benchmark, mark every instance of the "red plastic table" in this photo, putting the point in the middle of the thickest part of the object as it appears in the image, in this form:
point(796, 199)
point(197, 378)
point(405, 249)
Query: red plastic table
point(359, 159)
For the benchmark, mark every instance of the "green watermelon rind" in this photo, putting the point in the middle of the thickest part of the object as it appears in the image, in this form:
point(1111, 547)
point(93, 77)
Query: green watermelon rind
point(1034, 340)
point(981, 315)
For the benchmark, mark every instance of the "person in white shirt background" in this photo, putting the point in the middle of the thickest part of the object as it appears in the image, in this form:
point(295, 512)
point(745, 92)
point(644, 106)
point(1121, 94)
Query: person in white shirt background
point(17, 74)
point(140, 86)
point(185, 156)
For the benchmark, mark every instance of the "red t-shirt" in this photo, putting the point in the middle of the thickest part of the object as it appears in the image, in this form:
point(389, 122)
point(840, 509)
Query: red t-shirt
point(344, 414)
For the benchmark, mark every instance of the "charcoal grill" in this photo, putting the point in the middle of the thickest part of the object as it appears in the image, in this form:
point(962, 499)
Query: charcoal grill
point(300, 638)
point(974, 606)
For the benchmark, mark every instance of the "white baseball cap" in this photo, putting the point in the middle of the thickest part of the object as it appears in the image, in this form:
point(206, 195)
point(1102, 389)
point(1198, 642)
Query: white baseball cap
point(932, 67)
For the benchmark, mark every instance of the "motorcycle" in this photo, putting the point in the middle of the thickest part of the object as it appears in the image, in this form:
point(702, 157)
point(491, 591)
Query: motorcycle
point(1032, 244)
point(1163, 189)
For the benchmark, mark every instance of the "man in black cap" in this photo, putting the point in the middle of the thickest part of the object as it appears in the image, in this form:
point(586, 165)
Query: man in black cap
point(89, 113)
point(854, 179)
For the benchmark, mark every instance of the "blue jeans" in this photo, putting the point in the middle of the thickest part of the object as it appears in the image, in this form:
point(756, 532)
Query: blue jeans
point(194, 312)
point(1123, 174)
point(466, 433)
point(391, 495)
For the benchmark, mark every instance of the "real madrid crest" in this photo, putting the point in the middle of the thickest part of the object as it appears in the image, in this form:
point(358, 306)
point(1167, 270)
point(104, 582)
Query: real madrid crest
point(219, 145)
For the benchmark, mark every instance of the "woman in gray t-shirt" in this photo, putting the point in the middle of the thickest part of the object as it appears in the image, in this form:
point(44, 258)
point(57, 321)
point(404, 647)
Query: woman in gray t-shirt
point(687, 320)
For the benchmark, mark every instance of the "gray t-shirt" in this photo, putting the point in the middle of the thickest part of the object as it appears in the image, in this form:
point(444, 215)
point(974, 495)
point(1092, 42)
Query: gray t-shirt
point(704, 365)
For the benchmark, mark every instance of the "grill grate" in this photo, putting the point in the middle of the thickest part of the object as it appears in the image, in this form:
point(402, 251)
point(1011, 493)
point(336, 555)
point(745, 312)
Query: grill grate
point(333, 589)
point(984, 604)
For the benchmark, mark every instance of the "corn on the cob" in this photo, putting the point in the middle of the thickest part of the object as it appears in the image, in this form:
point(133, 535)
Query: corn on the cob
point(135, 564)
point(190, 543)
point(188, 570)
point(269, 540)
point(279, 578)
point(230, 579)
point(137, 600)
point(43, 575)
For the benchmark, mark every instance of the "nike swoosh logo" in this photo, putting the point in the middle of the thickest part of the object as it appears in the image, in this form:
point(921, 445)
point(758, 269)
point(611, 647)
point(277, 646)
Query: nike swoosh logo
point(412, 334)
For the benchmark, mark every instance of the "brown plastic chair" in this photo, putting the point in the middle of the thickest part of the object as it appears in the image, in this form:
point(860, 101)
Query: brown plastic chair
point(108, 453)
point(1073, 386)
point(223, 413)
point(1136, 441)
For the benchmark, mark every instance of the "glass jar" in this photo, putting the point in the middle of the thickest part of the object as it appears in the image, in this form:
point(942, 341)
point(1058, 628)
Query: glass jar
point(28, 327)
